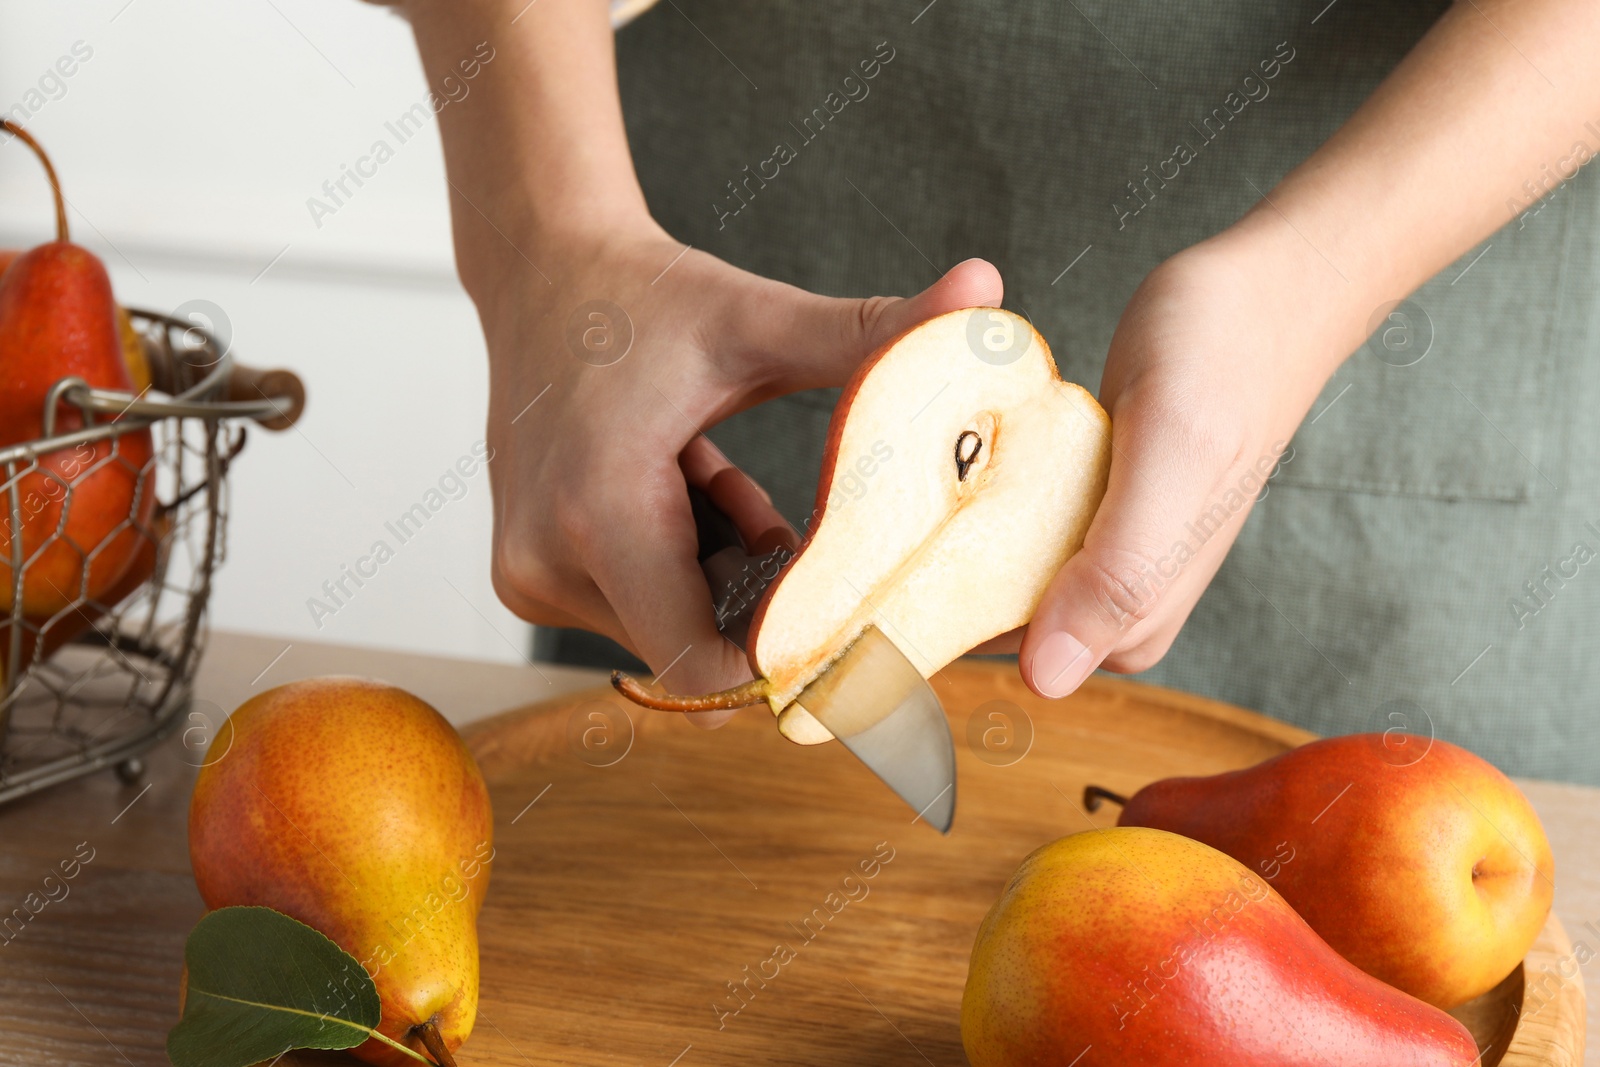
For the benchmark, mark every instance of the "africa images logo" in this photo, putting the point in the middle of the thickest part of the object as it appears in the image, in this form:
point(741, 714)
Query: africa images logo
point(1253, 89)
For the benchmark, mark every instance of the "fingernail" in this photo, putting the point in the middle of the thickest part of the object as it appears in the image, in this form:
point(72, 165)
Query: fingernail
point(1061, 664)
point(710, 720)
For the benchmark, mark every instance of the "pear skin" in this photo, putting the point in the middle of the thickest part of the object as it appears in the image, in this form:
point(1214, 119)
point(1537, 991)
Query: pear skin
point(61, 628)
point(1425, 867)
point(133, 353)
point(1136, 946)
point(355, 808)
point(57, 319)
point(81, 618)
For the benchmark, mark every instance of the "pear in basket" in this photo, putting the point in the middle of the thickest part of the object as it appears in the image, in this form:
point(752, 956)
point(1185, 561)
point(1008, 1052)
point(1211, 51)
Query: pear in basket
point(57, 320)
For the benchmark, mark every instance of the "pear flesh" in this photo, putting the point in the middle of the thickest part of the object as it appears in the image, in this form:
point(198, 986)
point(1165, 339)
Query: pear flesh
point(960, 473)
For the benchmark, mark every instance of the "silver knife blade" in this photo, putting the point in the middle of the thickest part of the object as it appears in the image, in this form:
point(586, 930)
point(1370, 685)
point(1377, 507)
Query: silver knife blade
point(876, 702)
point(872, 698)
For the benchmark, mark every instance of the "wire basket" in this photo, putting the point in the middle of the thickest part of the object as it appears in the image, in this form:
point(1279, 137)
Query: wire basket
point(99, 642)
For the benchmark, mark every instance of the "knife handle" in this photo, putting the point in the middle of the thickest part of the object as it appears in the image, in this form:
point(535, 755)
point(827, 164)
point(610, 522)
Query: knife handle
point(714, 530)
point(737, 579)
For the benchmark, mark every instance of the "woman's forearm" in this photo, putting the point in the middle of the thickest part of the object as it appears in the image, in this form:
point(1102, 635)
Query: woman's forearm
point(536, 153)
point(1499, 97)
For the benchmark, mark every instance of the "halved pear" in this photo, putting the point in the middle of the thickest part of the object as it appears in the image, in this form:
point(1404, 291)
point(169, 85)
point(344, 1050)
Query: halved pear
point(960, 473)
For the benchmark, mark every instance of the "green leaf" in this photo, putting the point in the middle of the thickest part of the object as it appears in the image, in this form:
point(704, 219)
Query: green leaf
point(259, 984)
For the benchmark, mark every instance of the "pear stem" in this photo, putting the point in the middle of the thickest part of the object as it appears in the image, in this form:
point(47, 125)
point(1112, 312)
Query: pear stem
point(50, 171)
point(397, 1046)
point(752, 692)
point(1094, 794)
point(433, 1041)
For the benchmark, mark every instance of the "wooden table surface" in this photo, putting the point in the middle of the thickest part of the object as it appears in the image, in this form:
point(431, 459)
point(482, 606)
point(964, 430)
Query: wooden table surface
point(93, 978)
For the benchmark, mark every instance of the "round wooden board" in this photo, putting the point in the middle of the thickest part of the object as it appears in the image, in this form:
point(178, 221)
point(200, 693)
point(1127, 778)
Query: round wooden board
point(648, 870)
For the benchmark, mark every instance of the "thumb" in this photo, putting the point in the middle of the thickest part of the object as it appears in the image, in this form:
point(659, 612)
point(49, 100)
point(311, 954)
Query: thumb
point(823, 339)
point(1153, 541)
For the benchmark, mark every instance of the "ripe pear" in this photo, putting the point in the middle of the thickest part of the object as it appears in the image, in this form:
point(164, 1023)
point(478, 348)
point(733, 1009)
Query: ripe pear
point(355, 808)
point(149, 559)
point(81, 508)
point(960, 473)
point(1136, 946)
point(1426, 868)
point(134, 356)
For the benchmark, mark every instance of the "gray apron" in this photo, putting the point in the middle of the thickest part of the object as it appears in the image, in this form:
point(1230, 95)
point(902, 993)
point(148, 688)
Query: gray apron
point(1421, 561)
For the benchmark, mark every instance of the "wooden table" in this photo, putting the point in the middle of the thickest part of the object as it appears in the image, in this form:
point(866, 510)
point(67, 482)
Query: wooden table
point(93, 978)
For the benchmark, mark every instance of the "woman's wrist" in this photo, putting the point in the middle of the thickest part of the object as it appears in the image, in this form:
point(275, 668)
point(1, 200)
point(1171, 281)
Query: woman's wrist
point(1325, 308)
point(520, 234)
point(535, 151)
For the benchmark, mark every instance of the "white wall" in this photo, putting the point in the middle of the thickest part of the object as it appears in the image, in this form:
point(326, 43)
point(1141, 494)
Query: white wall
point(188, 143)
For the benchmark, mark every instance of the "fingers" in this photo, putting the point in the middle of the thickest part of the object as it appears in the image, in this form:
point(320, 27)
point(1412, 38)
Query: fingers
point(812, 341)
point(597, 617)
point(760, 525)
point(641, 552)
point(524, 586)
point(1158, 536)
point(741, 498)
point(970, 283)
point(736, 495)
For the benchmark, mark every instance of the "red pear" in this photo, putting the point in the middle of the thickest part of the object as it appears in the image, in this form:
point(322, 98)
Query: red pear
point(133, 353)
point(1423, 866)
point(82, 508)
point(62, 629)
point(1118, 947)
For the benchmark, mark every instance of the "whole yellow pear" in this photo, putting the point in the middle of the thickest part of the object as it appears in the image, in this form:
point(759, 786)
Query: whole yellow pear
point(355, 808)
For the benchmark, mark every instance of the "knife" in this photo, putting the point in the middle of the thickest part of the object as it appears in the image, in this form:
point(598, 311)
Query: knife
point(872, 698)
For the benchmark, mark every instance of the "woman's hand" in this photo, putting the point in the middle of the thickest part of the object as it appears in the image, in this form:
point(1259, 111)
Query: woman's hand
point(611, 345)
point(601, 381)
point(1224, 347)
point(1214, 363)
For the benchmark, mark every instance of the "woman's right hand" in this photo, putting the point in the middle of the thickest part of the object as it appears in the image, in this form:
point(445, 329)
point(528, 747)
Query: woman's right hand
point(611, 346)
point(605, 366)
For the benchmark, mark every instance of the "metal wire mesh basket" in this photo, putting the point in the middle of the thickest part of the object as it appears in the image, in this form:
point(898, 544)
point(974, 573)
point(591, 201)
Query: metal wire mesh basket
point(99, 642)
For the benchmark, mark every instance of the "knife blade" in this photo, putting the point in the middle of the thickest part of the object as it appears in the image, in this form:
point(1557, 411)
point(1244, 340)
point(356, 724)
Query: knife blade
point(876, 702)
point(872, 698)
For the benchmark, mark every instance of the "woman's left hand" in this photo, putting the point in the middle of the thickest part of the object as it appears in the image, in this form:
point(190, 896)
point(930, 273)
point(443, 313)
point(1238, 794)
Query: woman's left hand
point(1216, 360)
